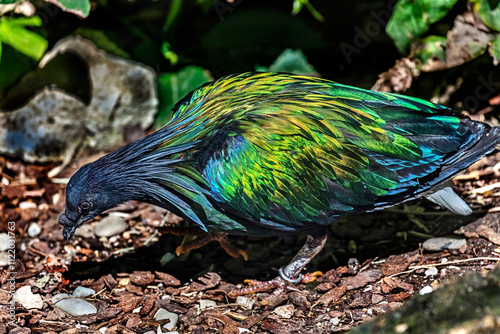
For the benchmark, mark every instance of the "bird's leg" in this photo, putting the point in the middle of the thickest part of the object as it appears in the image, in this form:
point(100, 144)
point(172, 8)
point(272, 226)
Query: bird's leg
point(291, 273)
point(203, 239)
point(314, 244)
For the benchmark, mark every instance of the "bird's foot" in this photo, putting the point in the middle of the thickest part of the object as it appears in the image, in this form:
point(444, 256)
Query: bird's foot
point(291, 273)
point(202, 239)
point(278, 284)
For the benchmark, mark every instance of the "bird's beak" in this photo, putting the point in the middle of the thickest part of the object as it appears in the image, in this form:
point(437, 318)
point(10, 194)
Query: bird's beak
point(69, 226)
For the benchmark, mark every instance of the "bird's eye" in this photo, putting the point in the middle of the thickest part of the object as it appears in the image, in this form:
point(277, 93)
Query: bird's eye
point(85, 206)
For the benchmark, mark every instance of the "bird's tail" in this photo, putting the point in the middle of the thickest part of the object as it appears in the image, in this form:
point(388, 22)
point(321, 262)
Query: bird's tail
point(481, 140)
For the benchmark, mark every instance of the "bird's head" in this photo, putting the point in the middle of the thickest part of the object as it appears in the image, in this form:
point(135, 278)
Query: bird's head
point(88, 193)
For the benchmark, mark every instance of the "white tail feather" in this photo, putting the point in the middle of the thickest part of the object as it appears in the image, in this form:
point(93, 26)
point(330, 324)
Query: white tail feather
point(450, 200)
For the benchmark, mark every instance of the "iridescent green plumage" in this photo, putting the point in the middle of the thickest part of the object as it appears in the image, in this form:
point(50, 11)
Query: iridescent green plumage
point(269, 154)
point(288, 152)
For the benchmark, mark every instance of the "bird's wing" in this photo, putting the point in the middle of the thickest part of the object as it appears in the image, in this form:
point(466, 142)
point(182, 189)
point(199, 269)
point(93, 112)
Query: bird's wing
point(308, 155)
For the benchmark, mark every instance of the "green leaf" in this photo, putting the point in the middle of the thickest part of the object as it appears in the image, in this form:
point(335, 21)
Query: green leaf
point(173, 13)
point(297, 7)
point(489, 12)
point(12, 32)
point(7, 2)
point(430, 52)
point(169, 54)
point(290, 61)
point(495, 49)
point(80, 8)
point(174, 86)
point(412, 18)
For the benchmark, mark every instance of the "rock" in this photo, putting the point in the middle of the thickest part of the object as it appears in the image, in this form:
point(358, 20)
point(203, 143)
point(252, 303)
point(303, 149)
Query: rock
point(163, 314)
point(83, 292)
point(73, 306)
point(432, 271)
point(34, 230)
point(4, 241)
point(4, 259)
point(85, 231)
point(425, 290)
point(28, 299)
point(110, 225)
point(54, 124)
point(439, 244)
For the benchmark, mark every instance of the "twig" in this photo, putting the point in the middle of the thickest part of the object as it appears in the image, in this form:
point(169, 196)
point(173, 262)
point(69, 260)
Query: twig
point(484, 189)
point(424, 266)
point(59, 180)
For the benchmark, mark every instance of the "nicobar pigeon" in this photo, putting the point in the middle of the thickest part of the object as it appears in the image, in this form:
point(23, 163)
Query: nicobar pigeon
point(273, 154)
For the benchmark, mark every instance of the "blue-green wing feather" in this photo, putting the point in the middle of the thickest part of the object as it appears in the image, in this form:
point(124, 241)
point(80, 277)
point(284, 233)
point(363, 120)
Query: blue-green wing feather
point(317, 150)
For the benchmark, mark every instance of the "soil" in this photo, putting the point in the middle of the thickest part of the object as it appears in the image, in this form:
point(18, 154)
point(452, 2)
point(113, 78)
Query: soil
point(372, 264)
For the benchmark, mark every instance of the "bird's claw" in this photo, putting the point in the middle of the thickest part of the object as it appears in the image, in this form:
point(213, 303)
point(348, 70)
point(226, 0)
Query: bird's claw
point(204, 239)
point(311, 277)
point(288, 279)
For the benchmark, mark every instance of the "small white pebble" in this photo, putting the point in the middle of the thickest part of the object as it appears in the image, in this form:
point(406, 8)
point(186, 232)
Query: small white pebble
point(335, 321)
point(27, 205)
point(401, 328)
point(103, 329)
point(28, 299)
point(4, 241)
point(83, 292)
point(110, 226)
point(73, 306)
point(425, 290)
point(432, 271)
point(163, 314)
point(4, 259)
point(34, 230)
